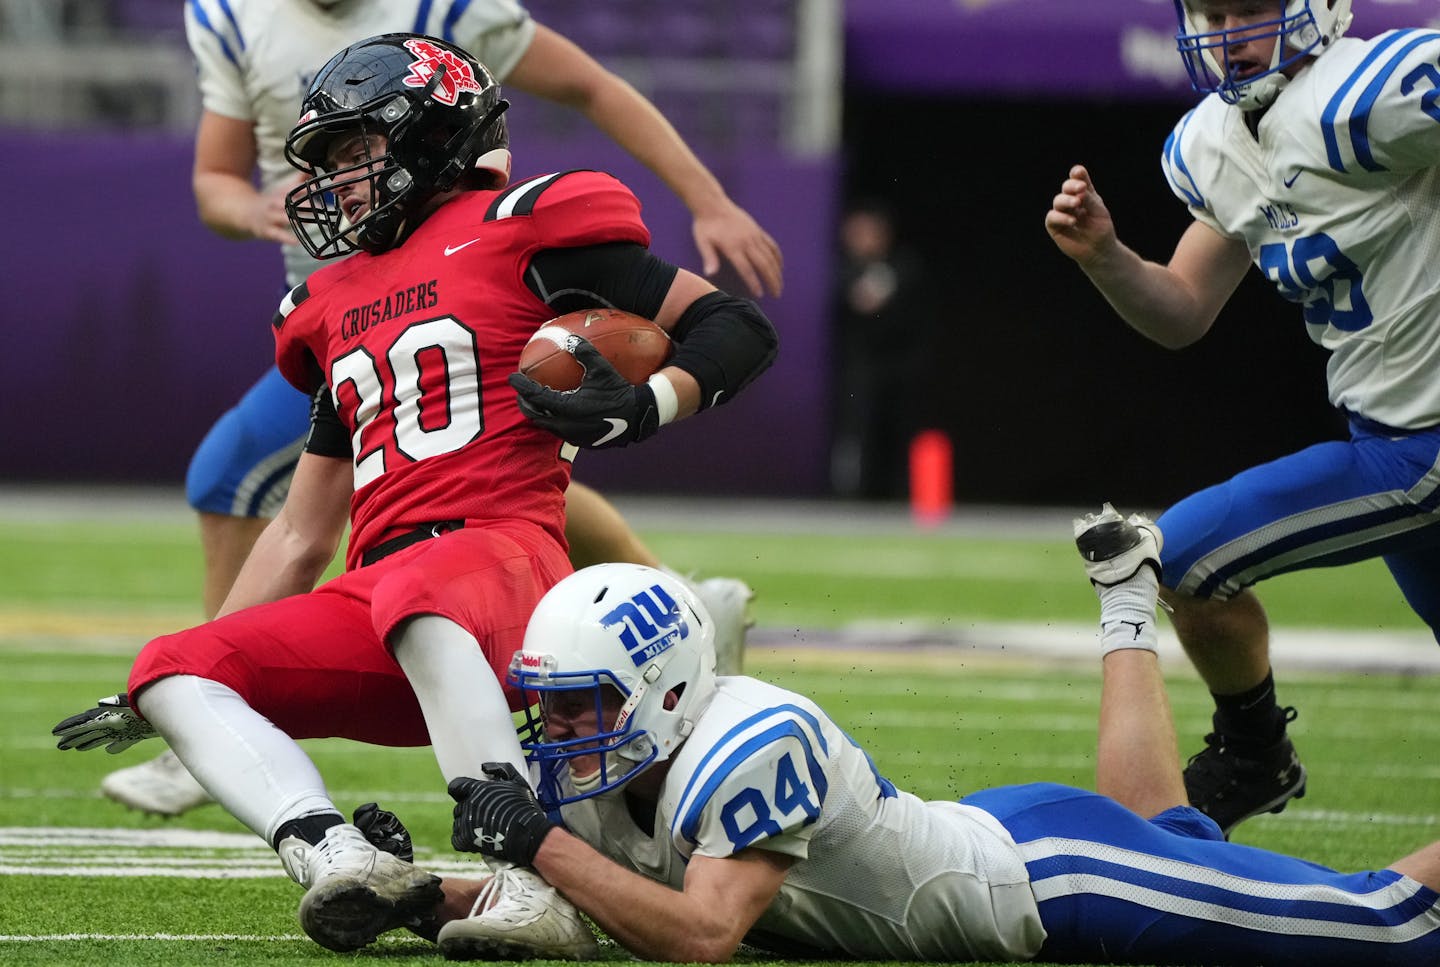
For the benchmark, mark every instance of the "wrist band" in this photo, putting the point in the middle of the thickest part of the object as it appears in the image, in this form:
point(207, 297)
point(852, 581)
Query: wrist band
point(667, 404)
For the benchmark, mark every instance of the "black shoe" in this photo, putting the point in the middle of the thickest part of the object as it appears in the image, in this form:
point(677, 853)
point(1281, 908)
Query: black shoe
point(1231, 783)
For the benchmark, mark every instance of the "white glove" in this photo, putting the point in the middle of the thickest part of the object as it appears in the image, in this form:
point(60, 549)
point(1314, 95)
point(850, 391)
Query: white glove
point(111, 723)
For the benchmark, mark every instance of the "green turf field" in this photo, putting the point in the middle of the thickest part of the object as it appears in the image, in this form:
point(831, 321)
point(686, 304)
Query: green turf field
point(84, 881)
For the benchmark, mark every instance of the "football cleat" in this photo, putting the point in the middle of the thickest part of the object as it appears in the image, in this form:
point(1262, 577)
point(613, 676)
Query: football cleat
point(518, 916)
point(1230, 782)
point(162, 787)
point(1115, 548)
point(728, 601)
point(353, 891)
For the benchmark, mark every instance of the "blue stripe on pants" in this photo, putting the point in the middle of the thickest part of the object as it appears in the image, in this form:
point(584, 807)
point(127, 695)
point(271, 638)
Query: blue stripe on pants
point(1113, 887)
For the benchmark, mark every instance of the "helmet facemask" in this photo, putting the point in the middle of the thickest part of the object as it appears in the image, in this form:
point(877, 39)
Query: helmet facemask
point(1301, 28)
point(315, 207)
point(586, 765)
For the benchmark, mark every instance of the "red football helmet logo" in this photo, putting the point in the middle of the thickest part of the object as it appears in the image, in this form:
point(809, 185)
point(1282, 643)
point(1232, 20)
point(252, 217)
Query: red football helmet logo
point(458, 76)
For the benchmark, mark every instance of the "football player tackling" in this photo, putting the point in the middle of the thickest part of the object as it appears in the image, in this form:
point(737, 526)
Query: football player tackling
point(700, 811)
point(1317, 159)
point(453, 487)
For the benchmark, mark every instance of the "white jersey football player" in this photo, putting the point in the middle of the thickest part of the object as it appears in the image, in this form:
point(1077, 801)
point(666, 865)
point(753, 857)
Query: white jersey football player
point(255, 60)
point(1315, 158)
point(699, 812)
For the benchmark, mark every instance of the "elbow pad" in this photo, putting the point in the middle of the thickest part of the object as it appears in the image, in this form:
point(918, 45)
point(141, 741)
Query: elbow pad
point(723, 342)
point(328, 436)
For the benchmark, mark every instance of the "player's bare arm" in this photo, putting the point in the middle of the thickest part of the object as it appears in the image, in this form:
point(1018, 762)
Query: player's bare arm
point(556, 69)
point(720, 900)
point(1137, 760)
point(1173, 304)
point(227, 200)
point(704, 923)
point(297, 546)
point(1078, 220)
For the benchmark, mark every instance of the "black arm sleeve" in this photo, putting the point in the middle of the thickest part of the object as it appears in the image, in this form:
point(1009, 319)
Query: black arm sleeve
point(328, 436)
point(724, 342)
point(616, 275)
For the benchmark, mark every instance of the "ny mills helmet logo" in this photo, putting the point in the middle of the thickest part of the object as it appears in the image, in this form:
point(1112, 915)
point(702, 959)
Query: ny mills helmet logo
point(650, 623)
point(459, 76)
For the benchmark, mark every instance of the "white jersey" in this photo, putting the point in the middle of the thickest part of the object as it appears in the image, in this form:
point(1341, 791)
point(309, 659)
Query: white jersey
point(256, 59)
point(879, 874)
point(1339, 202)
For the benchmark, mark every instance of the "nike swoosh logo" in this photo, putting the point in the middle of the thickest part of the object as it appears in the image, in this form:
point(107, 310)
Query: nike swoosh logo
point(617, 427)
point(1291, 180)
point(451, 250)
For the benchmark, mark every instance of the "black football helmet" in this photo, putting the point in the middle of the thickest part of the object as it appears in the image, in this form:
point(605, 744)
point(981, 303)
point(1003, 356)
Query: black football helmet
point(440, 111)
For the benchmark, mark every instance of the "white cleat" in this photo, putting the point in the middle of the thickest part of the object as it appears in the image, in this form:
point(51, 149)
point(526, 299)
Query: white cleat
point(161, 786)
point(1115, 548)
point(728, 601)
point(355, 892)
point(518, 916)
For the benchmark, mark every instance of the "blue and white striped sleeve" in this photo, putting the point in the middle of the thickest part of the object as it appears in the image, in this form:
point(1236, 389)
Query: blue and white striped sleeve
point(496, 32)
point(1384, 115)
point(218, 44)
point(762, 784)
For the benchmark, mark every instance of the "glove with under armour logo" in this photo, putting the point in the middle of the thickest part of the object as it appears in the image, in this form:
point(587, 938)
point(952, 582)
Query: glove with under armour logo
point(499, 816)
point(384, 831)
point(603, 411)
point(111, 721)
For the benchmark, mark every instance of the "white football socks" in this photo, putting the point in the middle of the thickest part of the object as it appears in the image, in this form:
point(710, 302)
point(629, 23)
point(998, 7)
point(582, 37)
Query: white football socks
point(1127, 612)
point(257, 772)
point(466, 711)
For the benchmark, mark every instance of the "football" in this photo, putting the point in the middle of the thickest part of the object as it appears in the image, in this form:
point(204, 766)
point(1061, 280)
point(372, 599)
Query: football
point(634, 345)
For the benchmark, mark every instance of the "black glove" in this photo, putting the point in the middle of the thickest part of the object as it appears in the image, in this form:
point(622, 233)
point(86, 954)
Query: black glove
point(498, 817)
point(111, 723)
point(385, 831)
point(603, 411)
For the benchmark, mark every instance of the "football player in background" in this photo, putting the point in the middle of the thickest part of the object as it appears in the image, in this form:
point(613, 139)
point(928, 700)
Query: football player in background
point(452, 476)
point(255, 58)
point(1317, 158)
point(699, 812)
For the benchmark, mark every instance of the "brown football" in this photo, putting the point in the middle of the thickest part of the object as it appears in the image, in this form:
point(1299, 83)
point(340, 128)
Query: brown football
point(634, 345)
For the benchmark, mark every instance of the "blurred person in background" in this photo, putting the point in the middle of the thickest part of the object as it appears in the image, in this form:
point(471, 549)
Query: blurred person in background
point(1316, 158)
point(883, 320)
point(448, 466)
point(255, 60)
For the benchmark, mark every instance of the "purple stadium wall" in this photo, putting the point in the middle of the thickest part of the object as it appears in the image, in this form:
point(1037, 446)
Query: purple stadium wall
point(131, 327)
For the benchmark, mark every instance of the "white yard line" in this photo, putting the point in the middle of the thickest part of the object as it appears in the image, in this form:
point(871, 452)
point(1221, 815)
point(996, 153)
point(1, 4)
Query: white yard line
point(1291, 648)
point(201, 937)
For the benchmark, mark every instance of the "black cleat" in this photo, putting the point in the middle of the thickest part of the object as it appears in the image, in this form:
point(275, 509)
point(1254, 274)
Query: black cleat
point(1231, 783)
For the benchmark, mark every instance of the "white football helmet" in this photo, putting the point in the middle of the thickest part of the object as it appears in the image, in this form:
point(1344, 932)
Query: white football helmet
point(635, 632)
point(1302, 28)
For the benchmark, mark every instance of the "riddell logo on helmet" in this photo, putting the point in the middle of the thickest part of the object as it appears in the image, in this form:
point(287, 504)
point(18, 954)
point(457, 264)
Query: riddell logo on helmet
point(650, 623)
point(458, 77)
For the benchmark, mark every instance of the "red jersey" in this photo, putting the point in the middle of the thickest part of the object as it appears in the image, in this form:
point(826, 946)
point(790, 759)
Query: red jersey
point(416, 344)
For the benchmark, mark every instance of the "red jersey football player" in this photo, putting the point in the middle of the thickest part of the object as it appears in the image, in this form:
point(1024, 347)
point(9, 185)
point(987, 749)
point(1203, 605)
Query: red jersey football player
point(449, 466)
